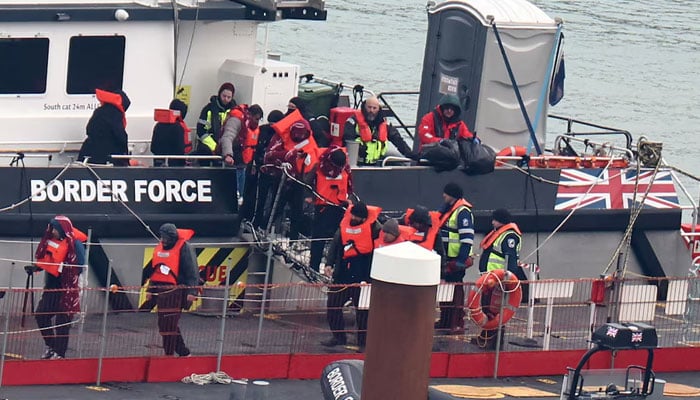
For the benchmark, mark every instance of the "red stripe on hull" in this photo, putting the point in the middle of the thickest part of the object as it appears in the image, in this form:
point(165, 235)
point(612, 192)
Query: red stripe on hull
point(309, 366)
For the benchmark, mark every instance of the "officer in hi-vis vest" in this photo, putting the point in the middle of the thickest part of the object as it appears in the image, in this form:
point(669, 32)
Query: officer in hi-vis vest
point(457, 230)
point(501, 248)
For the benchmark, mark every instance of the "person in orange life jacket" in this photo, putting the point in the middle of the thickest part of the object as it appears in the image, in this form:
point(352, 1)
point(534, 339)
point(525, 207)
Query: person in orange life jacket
point(457, 231)
point(174, 263)
point(370, 129)
point(299, 161)
point(426, 225)
point(332, 180)
point(211, 120)
point(443, 122)
point(393, 233)
point(61, 253)
point(349, 260)
point(267, 179)
point(239, 137)
point(169, 138)
point(106, 130)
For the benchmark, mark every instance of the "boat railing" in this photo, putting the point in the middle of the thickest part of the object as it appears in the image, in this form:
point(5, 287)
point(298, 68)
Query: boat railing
point(564, 317)
point(166, 158)
point(571, 123)
point(598, 148)
point(390, 112)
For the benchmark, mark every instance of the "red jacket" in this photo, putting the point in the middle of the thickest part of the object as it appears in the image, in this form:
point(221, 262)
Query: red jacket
point(429, 131)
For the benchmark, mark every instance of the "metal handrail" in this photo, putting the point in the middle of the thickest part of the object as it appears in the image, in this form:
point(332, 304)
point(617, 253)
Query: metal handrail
point(588, 142)
point(393, 113)
point(608, 130)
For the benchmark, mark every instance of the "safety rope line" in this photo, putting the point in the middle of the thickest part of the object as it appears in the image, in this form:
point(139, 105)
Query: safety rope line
point(627, 237)
point(31, 195)
point(573, 210)
point(123, 203)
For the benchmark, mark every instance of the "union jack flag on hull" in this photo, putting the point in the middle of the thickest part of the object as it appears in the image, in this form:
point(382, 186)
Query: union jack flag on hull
point(614, 189)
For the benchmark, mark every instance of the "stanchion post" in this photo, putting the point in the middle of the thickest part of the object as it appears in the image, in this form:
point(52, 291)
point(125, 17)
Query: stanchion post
point(224, 309)
point(6, 329)
point(264, 294)
point(499, 330)
point(85, 278)
point(103, 332)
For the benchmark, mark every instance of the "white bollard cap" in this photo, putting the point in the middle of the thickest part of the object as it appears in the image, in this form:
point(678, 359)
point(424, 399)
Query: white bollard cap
point(406, 263)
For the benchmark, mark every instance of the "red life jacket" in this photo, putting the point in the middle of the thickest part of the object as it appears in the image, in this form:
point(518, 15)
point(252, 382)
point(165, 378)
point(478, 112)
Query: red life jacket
point(115, 99)
point(166, 263)
point(488, 240)
point(360, 235)
point(334, 190)
point(366, 132)
point(405, 233)
point(425, 239)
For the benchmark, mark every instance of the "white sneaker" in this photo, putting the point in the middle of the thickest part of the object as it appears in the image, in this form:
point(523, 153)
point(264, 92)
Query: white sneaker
point(48, 353)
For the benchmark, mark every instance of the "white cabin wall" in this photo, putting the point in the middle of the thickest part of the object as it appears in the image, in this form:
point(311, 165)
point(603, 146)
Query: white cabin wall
point(148, 80)
point(212, 45)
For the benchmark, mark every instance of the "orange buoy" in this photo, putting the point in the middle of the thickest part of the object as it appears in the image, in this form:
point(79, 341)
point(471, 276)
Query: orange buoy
point(493, 285)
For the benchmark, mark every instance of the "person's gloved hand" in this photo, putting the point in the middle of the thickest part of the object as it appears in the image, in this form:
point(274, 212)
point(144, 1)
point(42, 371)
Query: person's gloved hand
point(451, 266)
point(286, 166)
point(414, 155)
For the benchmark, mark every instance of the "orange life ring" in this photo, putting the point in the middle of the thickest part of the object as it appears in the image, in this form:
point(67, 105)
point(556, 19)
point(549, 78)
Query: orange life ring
point(510, 151)
point(487, 283)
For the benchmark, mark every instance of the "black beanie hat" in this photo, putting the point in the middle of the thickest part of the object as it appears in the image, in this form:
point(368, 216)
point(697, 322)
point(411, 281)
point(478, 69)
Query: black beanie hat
point(453, 190)
point(502, 215)
point(359, 210)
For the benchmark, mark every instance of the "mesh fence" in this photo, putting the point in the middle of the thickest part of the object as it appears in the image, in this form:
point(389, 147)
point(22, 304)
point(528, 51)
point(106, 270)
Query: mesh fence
point(294, 319)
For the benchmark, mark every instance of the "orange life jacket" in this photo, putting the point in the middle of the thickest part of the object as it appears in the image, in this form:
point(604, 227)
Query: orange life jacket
point(249, 143)
point(334, 190)
point(56, 251)
point(283, 126)
point(115, 99)
point(247, 137)
point(405, 233)
point(366, 132)
point(166, 263)
point(171, 117)
point(459, 203)
point(357, 240)
point(488, 240)
point(425, 239)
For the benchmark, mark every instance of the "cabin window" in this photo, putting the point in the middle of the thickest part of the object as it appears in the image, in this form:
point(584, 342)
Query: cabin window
point(23, 65)
point(95, 62)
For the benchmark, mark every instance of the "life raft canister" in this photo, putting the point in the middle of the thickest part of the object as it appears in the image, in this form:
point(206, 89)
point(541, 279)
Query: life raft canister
point(692, 241)
point(339, 115)
point(494, 284)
